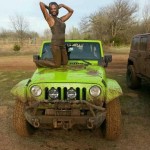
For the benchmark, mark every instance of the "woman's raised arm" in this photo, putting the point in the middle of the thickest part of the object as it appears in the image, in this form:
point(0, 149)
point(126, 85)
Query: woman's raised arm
point(68, 15)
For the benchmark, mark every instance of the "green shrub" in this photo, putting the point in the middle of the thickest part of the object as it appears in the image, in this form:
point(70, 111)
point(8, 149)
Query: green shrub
point(16, 47)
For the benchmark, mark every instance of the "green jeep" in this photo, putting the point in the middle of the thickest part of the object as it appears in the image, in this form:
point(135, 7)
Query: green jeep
point(76, 95)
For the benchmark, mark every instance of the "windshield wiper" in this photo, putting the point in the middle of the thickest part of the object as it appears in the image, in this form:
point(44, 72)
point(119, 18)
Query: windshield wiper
point(87, 63)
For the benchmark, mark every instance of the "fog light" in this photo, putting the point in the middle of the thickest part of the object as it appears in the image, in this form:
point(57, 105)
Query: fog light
point(53, 93)
point(71, 93)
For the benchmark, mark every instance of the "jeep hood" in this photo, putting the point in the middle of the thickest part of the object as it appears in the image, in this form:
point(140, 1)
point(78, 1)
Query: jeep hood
point(69, 74)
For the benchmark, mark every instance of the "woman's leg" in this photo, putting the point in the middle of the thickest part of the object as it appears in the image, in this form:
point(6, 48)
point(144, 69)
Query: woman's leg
point(64, 56)
point(56, 52)
point(56, 62)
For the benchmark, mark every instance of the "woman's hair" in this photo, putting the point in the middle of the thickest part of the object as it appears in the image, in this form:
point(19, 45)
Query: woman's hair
point(53, 3)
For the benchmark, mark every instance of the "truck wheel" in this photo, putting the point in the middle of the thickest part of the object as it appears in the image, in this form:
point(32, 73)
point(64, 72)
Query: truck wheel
point(133, 81)
point(111, 127)
point(20, 124)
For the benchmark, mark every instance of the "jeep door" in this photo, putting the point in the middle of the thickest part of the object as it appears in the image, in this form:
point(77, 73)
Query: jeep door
point(133, 55)
point(142, 55)
point(148, 58)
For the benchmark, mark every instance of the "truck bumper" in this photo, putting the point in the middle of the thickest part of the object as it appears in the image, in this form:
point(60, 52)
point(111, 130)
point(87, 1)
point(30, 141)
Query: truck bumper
point(66, 118)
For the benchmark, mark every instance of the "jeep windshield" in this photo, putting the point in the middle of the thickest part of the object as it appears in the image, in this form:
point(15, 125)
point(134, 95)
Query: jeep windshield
point(76, 51)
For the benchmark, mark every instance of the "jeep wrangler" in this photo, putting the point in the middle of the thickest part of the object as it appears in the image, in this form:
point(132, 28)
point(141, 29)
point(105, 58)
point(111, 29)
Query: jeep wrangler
point(76, 95)
point(138, 61)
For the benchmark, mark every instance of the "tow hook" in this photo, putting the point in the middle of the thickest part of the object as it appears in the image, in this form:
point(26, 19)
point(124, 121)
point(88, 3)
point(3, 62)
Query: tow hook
point(36, 122)
point(65, 125)
point(96, 121)
point(90, 123)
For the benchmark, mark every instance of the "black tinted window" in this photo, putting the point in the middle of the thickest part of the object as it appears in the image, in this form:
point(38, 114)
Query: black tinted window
point(46, 52)
point(143, 43)
point(135, 43)
point(148, 43)
point(88, 51)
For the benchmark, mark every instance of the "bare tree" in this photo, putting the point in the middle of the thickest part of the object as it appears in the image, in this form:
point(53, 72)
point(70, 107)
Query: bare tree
point(121, 16)
point(7, 34)
point(47, 34)
point(146, 18)
point(85, 28)
point(100, 25)
point(73, 34)
point(85, 24)
point(20, 25)
point(111, 22)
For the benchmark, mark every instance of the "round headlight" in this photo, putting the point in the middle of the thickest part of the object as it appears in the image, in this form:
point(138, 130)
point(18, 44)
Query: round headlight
point(36, 91)
point(71, 93)
point(95, 91)
point(53, 93)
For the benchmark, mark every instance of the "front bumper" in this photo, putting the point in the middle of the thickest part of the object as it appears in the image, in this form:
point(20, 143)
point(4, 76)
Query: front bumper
point(65, 114)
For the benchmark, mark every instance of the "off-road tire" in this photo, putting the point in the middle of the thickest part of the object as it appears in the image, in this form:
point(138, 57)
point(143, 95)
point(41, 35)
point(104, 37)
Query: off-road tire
point(20, 124)
point(111, 127)
point(133, 81)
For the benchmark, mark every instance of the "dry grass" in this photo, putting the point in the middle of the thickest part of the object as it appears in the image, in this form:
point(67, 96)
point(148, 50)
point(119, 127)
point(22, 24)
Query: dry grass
point(7, 49)
point(135, 115)
point(117, 50)
point(135, 131)
point(26, 49)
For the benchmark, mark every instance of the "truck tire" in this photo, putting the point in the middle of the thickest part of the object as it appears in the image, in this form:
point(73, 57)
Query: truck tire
point(111, 127)
point(133, 81)
point(20, 123)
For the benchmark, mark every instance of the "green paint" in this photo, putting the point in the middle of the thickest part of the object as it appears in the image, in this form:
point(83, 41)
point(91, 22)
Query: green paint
point(113, 90)
point(20, 90)
point(76, 74)
point(69, 74)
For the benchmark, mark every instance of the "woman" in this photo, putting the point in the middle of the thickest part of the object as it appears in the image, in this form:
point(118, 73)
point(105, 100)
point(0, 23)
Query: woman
point(57, 26)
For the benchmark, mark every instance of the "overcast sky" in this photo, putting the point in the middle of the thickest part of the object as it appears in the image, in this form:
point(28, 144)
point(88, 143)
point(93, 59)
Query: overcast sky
point(31, 11)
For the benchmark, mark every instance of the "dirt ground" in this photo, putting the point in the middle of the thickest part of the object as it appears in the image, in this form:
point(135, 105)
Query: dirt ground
point(135, 107)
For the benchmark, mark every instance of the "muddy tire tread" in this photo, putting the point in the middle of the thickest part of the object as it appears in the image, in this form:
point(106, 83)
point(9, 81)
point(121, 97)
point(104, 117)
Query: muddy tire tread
point(113, 120)
point(20, 124)
point(135, 82)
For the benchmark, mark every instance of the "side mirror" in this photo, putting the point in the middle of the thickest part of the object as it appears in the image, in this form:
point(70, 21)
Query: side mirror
point(36, 57)
point(107, 59)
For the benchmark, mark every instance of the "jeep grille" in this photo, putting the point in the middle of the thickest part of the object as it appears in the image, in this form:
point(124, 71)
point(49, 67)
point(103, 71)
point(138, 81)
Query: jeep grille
point(81, 93)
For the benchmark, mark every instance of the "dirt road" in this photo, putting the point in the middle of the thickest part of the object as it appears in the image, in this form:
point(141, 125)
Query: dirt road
point(135, 114)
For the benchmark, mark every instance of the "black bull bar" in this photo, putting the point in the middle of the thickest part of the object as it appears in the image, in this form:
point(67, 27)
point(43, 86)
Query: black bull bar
point(66, 118)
